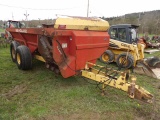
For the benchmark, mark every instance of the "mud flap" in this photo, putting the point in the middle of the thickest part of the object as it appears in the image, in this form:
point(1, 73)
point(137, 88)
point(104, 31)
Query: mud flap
point(143, 68)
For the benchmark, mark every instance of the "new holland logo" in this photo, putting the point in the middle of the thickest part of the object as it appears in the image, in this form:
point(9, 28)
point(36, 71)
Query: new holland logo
point(21, 30)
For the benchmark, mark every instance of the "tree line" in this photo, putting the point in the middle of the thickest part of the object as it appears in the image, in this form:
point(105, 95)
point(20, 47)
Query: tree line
point(149, 22)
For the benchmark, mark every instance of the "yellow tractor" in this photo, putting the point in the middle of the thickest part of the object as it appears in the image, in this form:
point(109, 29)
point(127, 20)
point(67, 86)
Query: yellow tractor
point(126, 50)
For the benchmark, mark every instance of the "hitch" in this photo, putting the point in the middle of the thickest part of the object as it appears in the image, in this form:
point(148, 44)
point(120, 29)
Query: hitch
point(117, 79)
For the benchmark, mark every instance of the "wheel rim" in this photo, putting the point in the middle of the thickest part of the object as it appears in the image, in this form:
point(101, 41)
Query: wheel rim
point(105, 57)
point(13, 53)
point(18, 59)
point(123, 61)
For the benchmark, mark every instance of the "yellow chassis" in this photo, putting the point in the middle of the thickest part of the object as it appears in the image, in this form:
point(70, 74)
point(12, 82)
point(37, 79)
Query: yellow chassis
point(117, 79)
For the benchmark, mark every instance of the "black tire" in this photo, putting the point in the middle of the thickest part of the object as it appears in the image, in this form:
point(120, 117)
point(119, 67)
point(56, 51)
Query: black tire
point(107, 57)
point(153, 62)
point(23, 57)
point(2, 35)
point(125, 62)
point(13, 47)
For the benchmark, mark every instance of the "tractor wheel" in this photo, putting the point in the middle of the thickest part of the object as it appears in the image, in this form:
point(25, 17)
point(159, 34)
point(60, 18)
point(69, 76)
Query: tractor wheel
point(125, 61)
point(2, 35)
point(23, 57)
point(13, 48)
point(154, 62)
point(107, 56)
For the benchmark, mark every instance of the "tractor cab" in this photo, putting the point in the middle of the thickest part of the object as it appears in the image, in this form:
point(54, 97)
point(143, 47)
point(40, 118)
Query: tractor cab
point(13, 24)
point(124, 33)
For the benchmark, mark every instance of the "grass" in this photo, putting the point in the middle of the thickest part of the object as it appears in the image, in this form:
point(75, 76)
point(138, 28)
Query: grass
point(1, 30)
point(40, 94)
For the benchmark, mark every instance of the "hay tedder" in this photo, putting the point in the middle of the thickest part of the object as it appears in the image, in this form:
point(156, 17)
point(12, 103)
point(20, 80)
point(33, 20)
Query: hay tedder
point(71, 46)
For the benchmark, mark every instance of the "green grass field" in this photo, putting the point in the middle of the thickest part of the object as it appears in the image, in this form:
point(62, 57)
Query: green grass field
point(39, 94)
point(1, 30)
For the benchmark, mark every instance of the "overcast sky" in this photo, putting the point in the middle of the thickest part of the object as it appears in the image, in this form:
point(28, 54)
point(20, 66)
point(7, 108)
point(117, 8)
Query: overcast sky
point(48, 9)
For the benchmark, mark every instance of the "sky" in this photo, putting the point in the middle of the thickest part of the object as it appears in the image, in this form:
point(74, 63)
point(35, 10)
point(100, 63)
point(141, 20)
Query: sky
point(50, 9)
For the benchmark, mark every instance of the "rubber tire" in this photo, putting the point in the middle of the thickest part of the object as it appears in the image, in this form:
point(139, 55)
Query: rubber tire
point(110, 56)
point(25, 57)
point(13, 47)
point(153, 62)
point(2, 35)
point(130, 61)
